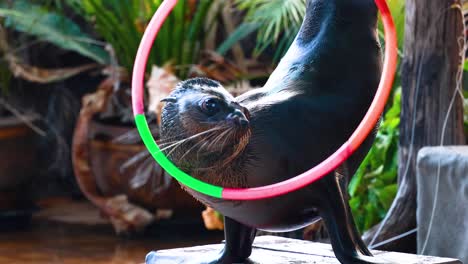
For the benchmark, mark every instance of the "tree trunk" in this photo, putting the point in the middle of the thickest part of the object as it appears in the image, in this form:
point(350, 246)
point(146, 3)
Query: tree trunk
point(432, 108)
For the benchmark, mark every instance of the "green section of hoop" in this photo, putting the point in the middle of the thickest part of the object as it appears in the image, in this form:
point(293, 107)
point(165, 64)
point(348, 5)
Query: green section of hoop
point(167, 165)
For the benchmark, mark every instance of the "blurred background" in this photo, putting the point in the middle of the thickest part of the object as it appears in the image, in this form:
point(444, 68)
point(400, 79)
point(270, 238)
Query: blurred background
point(76, 182)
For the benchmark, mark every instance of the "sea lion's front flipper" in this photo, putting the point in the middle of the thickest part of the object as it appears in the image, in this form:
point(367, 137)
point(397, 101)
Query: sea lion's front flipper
point(336, 213)
point(239, 240)
point(237, 248)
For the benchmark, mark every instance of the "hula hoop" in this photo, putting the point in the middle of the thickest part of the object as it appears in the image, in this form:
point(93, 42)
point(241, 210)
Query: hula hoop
point(330, 164)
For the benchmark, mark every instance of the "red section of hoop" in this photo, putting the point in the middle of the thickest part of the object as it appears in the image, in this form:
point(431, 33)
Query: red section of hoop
point(360, 134)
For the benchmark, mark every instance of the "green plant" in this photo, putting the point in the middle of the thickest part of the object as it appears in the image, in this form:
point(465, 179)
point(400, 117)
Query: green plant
point(278, 21)
point(41, 21)
point(275, 21)
point(374, 186)
point(122, 23)
point(465, 107)
point(465, 74)
point(51, 26)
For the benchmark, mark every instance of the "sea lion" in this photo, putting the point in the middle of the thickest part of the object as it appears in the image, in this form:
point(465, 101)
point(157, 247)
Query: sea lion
point(310, 105)
point(208, 132)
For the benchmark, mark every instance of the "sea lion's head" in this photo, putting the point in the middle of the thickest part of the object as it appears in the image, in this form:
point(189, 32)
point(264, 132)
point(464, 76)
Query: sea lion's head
point(203, 126)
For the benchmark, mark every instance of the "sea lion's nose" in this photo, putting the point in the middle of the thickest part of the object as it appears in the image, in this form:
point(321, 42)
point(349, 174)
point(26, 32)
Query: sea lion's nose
point(238, 118)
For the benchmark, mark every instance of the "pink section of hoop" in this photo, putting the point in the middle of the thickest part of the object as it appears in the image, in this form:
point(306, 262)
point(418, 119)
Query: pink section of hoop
point(292, 184)
point(327, 166)
point(143, 53)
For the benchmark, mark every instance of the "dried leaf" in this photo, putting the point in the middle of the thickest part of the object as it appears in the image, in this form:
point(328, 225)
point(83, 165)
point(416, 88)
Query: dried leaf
point(161, 83)
point(217, 67)
point(130, 217)
point(41, 75)
point(239, 88)
point(212, 220)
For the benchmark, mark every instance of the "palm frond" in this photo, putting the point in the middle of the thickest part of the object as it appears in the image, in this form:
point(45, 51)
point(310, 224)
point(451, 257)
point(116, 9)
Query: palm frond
point(276, 21)
point(52, 27)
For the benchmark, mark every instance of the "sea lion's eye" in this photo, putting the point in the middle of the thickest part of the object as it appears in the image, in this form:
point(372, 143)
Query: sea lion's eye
point(211, 106)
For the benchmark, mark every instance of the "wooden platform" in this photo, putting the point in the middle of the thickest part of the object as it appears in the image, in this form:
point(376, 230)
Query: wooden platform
point(277, 250)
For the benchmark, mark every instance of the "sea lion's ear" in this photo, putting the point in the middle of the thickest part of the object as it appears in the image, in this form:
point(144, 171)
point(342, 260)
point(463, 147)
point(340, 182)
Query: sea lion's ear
point(169, 99)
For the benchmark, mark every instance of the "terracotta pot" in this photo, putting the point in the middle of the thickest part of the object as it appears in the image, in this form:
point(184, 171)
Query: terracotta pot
point(130, 199)
point(158, 191)
point(17, 167)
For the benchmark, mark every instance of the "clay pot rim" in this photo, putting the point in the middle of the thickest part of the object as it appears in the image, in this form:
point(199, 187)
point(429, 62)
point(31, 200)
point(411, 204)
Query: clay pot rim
point(112, 130)
point(110, 145)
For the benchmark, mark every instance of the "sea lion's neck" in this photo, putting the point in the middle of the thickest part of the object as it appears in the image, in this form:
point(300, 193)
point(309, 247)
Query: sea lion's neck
point(328, 40)
point(334, 15)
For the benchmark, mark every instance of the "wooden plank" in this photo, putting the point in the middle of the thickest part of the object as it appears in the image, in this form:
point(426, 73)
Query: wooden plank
point(278, 250)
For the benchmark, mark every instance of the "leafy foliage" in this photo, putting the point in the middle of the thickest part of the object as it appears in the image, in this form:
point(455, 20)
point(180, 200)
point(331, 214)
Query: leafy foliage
point(373, 187)
point(119, 23)
point(276, 22)
point(122, 23)
point(52, 27)
point(465, 75)
point(465, 106)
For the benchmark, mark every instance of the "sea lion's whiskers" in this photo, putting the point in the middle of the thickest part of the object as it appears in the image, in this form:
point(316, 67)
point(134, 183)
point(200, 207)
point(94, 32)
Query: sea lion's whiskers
point(162, 145)
point(202, 147)
point(167, 143)
point(194, 146)
point(183, 134)
point(229, 135)
point(173, 145)
point(226, 132)
point(243, 141)
point(170, 138)
point(207, 144)
point(190, 138)
point(170, 152)
point(203, 141)
point(193, 137)
point(218, 139)
point(234, 154)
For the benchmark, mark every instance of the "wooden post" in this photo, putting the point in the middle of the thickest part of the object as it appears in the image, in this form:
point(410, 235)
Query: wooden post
point(431, 75)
